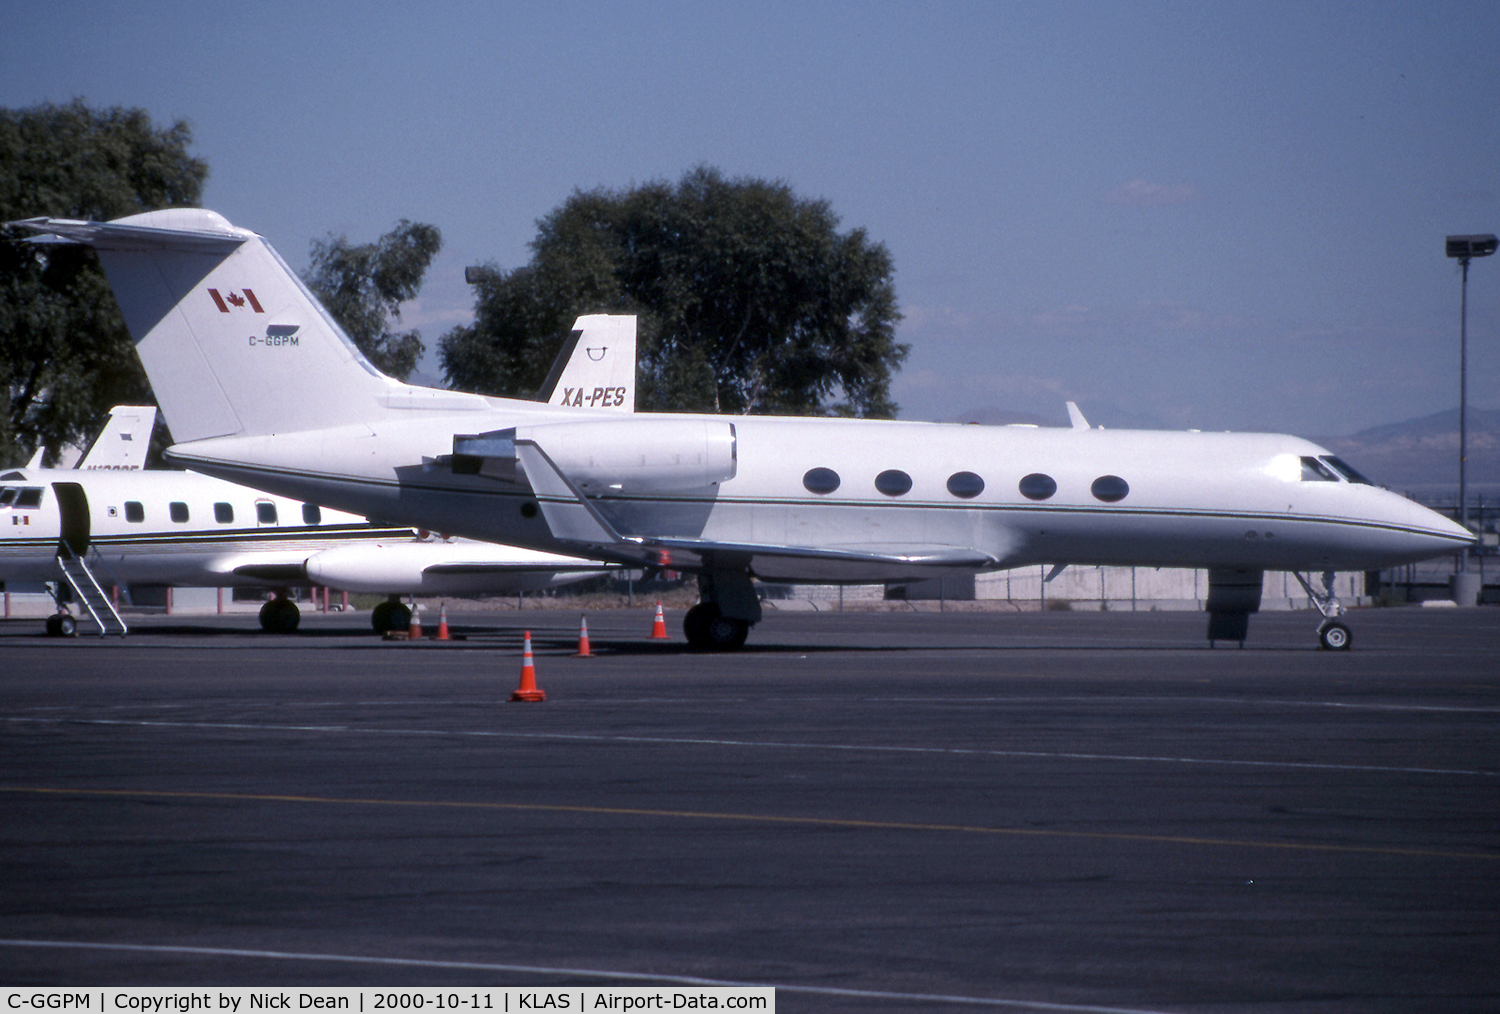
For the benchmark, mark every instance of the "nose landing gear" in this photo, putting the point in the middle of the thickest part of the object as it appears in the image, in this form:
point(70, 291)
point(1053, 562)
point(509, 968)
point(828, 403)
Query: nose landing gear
point(1332, 635)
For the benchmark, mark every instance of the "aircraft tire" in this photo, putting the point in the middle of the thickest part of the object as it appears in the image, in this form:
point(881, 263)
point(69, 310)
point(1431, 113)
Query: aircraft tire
point(707, 630)
point(695, 622)
point(1334, 636)
point(725, 634)
point(280, 616)
point(67, 626)
point(380, 616)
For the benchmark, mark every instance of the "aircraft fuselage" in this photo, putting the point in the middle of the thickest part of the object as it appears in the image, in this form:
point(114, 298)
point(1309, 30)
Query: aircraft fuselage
point(1017, 495)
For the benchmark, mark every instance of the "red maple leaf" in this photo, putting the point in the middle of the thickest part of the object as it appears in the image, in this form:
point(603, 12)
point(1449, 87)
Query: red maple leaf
point(236, 300)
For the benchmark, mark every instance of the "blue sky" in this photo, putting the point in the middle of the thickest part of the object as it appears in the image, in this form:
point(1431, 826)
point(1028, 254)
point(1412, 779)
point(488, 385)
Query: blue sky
point(1212, 215)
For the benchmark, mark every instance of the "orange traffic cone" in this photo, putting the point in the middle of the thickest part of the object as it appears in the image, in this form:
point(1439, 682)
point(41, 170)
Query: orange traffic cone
point(659, 627)
point(528, 691)
point(442, 634)
point(414, 631)
point(583, 639)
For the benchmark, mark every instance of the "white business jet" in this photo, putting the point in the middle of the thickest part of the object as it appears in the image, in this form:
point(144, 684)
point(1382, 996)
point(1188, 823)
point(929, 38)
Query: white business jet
point(260, 386)
point(107, 522)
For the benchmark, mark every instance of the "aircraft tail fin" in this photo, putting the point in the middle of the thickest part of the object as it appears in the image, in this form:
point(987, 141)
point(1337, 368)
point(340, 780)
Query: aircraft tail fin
point(233, 342)
point(596, 366)
point(123, 442)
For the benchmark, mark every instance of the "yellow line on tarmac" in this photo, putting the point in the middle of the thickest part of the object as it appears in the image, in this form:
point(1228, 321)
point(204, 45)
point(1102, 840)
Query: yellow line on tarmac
point(748, 818)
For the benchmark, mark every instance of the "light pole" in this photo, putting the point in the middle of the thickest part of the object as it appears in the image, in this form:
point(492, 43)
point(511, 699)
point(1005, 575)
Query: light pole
point(1465, 248)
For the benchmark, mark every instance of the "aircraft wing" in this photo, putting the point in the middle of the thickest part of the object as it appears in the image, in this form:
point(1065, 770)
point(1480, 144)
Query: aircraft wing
point(573, 519)
point(859, 564)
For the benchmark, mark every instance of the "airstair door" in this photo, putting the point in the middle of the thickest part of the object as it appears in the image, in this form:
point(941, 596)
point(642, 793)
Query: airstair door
point(73, 508)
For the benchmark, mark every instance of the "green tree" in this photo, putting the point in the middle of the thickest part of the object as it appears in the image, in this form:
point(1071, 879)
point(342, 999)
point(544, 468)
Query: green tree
point(748, 299)
point(65, 355)
point(363, 287)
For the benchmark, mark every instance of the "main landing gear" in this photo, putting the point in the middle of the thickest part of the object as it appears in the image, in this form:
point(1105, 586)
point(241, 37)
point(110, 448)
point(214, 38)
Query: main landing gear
point(280, 615)
point(1332, 634)
point(710, 630)
point(728, 607)
point(392, 614)
point(62, 624)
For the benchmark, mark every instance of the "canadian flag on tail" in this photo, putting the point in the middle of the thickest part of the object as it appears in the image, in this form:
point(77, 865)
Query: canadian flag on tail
point(235, 300)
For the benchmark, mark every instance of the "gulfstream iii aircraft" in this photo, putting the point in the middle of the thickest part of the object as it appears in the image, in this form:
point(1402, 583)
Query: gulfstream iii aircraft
point(107, 522)
point(259, 385)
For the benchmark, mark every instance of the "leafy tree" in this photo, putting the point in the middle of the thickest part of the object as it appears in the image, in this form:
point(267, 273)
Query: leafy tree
point(65, 355)
point(363, 287)
point(748, 300)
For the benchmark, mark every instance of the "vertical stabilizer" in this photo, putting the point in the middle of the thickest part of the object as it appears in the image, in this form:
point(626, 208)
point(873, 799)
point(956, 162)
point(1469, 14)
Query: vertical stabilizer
point(123, 442)
point(596, 366)
point(232, 340)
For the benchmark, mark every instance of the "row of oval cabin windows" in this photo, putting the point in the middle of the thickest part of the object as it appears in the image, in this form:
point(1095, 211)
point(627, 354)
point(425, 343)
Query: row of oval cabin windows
point(265, 513)
point(967, 485)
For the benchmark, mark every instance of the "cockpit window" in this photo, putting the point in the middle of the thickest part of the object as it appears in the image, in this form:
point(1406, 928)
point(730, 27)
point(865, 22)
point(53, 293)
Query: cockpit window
point(7, 496)
point(1314, 470)
point(23, 496)
point(1342, 467)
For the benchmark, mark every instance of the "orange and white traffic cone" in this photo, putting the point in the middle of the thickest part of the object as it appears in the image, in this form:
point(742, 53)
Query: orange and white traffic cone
point(528, 691)
point(583, 639)
point(659, 626)
point(414, 631)
point(442, 634)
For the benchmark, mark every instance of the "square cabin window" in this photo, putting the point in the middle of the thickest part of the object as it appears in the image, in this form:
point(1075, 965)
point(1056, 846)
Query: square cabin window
point(134, 512)
point(178, 511)
point(312, 514)
point(224, 513)
point(265, 512)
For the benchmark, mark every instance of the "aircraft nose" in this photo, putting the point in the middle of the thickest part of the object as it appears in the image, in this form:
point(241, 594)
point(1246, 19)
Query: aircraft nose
point(1432, 534)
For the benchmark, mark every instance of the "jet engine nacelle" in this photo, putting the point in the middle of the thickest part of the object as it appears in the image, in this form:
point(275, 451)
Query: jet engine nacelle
point(632, 454)
point(376, 567)
point(442, 568)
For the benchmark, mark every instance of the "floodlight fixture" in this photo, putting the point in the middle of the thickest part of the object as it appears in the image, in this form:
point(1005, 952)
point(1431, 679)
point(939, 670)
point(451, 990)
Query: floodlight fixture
point(1464, 247)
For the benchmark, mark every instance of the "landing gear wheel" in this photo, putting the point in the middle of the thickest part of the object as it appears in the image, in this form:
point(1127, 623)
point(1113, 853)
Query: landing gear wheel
point(708, 630)
point(695, 622)
point(380, 617)
point(280, 616)
point(61, 625)
point(1334, 636)
point(390, 615)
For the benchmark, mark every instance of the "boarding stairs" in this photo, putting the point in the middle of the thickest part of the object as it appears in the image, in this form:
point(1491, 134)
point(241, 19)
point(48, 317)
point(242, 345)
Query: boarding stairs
point(95, 602)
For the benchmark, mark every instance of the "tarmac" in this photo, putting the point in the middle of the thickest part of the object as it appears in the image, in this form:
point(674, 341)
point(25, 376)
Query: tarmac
point(1070, 811)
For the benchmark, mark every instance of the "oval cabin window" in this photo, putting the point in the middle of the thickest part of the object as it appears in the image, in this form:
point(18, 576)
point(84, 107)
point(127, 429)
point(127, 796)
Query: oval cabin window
point(821, 481)
point(893, 482)
point(1037, 486)
point(1110, 488)
point(965, 484)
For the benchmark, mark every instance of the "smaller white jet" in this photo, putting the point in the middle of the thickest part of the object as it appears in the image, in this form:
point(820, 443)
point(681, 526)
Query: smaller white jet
point(107, 522)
